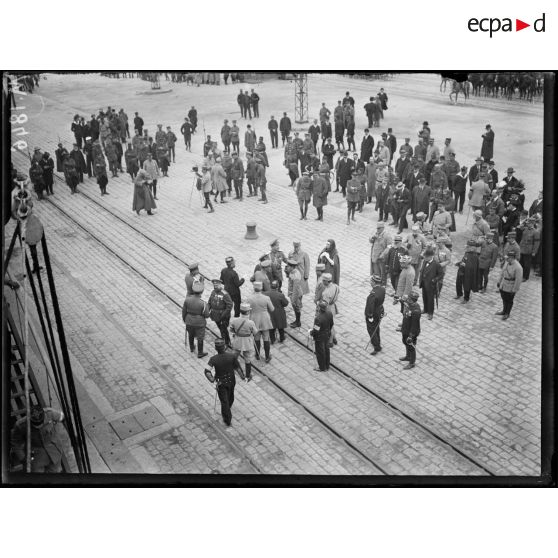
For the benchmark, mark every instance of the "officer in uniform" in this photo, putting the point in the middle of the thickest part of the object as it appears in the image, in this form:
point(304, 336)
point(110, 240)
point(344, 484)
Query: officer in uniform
point(251, 169)
point(226, 136)
point(510, 281)
point(323, 322)
point(244, 329)
point(353, 196)
point(193, 277)
point(225, 365)
point(261, 306)
point(374, 312)
point(46, 444)
point(295, 290)
point(328, 150)
point(261, 180)
point(194, 314)
point(237, 175)
point(220, 306)
point(235, 137)
point(277, 258)
point(410, 329)
point(304, 194)
point(232, 283)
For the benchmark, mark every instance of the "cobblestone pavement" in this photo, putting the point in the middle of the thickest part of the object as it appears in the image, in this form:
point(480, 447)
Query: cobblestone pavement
point(477, 384)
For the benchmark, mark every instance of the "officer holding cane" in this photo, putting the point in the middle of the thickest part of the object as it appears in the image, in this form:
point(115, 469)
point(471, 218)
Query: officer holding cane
point(374, 312)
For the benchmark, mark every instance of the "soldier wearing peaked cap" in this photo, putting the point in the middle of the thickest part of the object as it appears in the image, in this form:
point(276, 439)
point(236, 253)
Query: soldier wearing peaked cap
point(304, 193)
point(405, 281)
point(220, 307)
point(278, 316)
point(391, 257)
point(194, 314)
point(374, 311)
point(261, 307)
point(225, 365)
point(303, 260)
point(330, 294)
point(193, 277)
point(509, 282)
point(321, 331)
point(430, 275)
point(277, 258)
point(410, 329)
point(244, 330)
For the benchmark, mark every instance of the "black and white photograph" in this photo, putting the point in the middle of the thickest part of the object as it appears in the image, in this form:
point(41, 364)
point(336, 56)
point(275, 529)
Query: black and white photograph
point(320, 276)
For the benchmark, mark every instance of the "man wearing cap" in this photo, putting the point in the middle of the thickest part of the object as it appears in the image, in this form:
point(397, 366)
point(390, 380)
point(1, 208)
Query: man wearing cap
point(260, 179)
point(451, 169)
point(47, 447)
point(448, 148)
point(339, 133)
point(277, 258)
point(382, 150)
point(487, 147)
point(255, 103)
point(138, 123)
point(391, 255)
point(225, 365)
point(194, 314)
point(510, 243)
point(379, 241)
point(479, 228)
point(528, 247)
point(285, 127)
point(303, 264)
point(232, 283)
point(432, 151)
point(278, 316)
point(430, 275)
point(487, 260)
point(234, 135)
point(467, 273)
point(353, 196)
point(420, 150)
point(443, 255)
point(261, 308)
point(244, 330)
point(509, 283)
point(374, 311)
point(220, 305)
point(304, 194)
point(410, 329)
point(320, 285)
point(459, 188)
point(441, 220)
point(320, 189)
point(273, 126)
point(226, 136)
point(237, 175)
point(402, 202)
point(193, 277)
point(321, 331)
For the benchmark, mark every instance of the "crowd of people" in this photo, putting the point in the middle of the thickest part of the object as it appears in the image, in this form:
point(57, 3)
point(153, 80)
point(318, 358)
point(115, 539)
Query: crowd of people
point(417, 189)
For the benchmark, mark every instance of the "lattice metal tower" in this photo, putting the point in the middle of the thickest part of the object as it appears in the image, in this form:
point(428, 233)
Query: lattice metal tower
point(301, 98)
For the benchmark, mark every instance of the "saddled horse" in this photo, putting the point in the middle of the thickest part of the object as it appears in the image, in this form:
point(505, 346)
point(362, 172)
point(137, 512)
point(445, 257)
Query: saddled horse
point(459, 87)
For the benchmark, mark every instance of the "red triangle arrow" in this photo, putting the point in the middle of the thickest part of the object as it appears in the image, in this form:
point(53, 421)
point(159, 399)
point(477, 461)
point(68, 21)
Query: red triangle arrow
point(519, 25)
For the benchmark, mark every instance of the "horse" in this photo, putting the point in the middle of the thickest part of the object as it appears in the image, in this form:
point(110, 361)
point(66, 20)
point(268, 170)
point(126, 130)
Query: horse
point(444, 83)
point(459, 87)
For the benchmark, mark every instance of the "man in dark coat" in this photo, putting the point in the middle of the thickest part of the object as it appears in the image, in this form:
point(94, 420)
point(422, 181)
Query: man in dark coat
point(345, 168)
point(273, 126)
point(325, 129)
point(370, 108)
point(319, 194)
point(194, 314)
point(420, 198)
point(60, 153)
point(232, 283)
point(220, 305)
point(374, 311)
point(366, 146)
point(193, 117)
point(410, 329)
point(467, 278)
point(94, 128)
point(391, 142)
point(77, 156)
point(138, 123)
point(225, 364)
point(285, 127)
point(278, 316)
point(431, 274)
point(328, 149)
point(487, 148)
point(47, 166)
point(314, 132)
point(321, 331)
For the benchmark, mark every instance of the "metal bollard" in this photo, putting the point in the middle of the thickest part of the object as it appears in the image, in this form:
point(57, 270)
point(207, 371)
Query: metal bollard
point(251, 233)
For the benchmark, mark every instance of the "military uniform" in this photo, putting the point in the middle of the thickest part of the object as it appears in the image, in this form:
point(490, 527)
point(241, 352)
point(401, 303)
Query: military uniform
point(225, 365)
point(261, 307)
point(509, 284)
point(304, 194)
point(237, 175)
point(132, 165)
point(232, 284)
point(261, 180)
point(321, 331)
point(244, 329)
point(373, 313)
point(194, 314)
point(277, 258)
point(226, 137)
point(220, 306)
point(251, 168)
